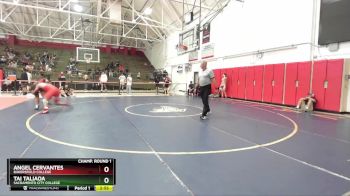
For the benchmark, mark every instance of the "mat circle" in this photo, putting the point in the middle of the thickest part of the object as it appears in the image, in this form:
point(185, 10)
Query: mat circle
point(254, 146)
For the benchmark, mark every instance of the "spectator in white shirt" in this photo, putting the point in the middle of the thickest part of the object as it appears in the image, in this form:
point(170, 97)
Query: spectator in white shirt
point(121, 82)
point(103, 81)
point(128, 84)
point(138, 75)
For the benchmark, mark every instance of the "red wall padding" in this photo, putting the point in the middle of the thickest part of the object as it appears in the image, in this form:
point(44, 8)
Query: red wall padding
point(258, 78)
point(270, 82)
point(133, 51)
point(249, 90)
point(327, 83)
point(304, 77)
point(268, 78)
point(217, 74)
point(278, 77)
point(12, 40)
point(126, 51)
point(333, 91)
point(45, 44)
point(234, 82)
point(241, 82)
point(290, 86)
point(108, 49)
point(318, 78)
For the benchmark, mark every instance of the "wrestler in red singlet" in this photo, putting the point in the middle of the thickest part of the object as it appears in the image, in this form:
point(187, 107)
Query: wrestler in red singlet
point(48, 91)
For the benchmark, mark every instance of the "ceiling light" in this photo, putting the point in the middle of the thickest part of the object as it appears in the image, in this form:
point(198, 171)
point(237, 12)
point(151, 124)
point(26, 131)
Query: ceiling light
point(74, 1)
point(15, 1)
point(148, 11)
point(78, 8)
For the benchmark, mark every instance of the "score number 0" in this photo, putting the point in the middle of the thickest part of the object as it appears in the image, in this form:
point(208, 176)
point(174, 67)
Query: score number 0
point(106, 170)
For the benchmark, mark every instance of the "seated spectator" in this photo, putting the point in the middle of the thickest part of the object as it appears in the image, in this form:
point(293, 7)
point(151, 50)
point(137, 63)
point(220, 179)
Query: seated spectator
point(26, 58)
point(30, 67)
point(12, 64)
point(62, 78)
point(47, 67)
point(306, 103)
point(42, 61)
point(66, 91)
point(110, 66)
point(121, 68)
point(46, 55)
point(191, 89)
point(3, 60)
point(41, 70)
point(98, 71)
point(8, 85)
point(24, 81)
point(53, 57)
point(72, 60)
point(48, 73)
point(216, 93)
point(110, 73)
point(10, 55)
point(52, 61)
point(165, 73)
point(37, 57)
point(138, 75)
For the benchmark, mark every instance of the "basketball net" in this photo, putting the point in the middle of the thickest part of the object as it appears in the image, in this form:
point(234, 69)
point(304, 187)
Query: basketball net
point(88, 60)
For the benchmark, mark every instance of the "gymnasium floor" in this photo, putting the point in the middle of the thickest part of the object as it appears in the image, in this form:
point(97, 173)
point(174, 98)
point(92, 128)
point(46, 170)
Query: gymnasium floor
point(163, 148)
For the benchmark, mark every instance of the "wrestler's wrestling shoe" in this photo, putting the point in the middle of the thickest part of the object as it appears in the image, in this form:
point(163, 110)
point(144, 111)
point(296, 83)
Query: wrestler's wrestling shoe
point(45, 110)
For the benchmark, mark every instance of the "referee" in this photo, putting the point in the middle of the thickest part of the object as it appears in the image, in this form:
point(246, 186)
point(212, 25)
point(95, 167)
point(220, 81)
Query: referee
point(206, 77)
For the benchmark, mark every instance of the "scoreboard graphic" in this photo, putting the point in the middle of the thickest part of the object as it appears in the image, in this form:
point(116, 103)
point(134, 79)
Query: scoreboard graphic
point(85, 174)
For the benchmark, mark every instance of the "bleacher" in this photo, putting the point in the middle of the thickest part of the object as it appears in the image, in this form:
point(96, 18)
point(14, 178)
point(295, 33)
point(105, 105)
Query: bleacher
point(134, 64)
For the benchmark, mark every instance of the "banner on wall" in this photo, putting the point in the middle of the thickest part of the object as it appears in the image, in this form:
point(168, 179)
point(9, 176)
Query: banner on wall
point(180, 69)
point(207, 51)
point(193, 56)
point(206, 33)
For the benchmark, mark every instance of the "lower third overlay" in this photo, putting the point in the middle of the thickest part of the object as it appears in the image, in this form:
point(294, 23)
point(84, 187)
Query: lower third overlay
point(84, 174)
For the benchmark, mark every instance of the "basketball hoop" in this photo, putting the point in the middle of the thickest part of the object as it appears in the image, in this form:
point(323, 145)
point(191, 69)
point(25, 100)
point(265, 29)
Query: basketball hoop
point(83, 54)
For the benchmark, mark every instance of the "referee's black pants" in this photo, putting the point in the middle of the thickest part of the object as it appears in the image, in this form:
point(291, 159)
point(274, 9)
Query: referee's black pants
point(204, 93)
